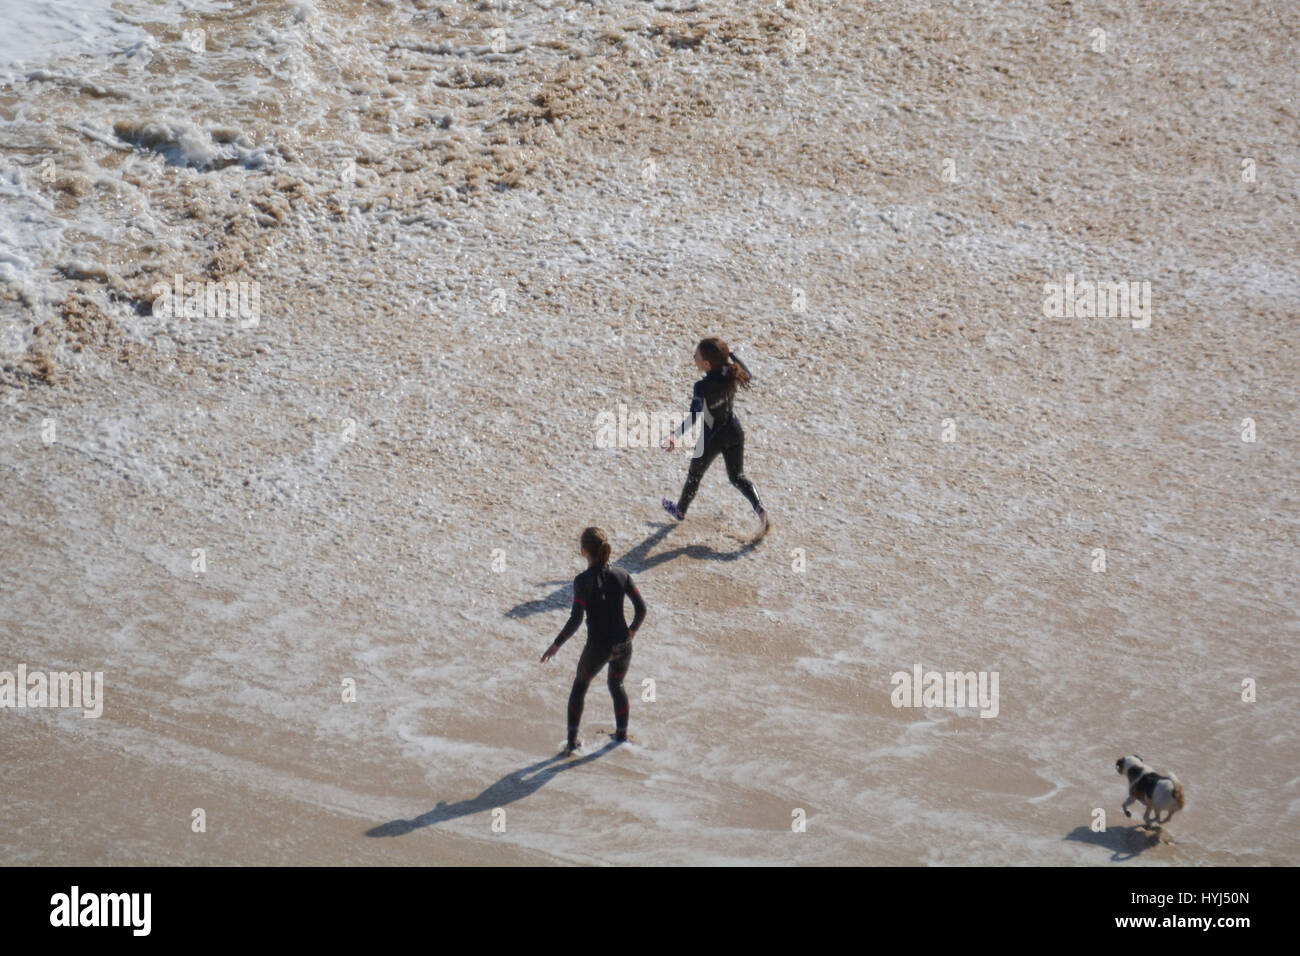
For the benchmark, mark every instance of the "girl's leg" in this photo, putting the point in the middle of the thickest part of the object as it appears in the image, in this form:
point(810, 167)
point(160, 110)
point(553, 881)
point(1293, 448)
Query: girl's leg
point(734, 456)
point(589, 664)
point(619, 661)
point(693, 475)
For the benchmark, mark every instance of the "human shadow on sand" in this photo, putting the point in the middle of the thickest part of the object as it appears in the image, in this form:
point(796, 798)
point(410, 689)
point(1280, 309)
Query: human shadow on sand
point(635, 561)
point(510, 788)
point(1124, 843)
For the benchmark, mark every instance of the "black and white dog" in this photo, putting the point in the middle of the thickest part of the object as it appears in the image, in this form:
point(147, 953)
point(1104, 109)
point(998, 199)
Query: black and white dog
point(1159, 793)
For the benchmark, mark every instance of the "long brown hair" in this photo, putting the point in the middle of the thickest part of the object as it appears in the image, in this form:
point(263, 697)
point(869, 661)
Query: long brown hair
point(714, 351)
point(596, 544)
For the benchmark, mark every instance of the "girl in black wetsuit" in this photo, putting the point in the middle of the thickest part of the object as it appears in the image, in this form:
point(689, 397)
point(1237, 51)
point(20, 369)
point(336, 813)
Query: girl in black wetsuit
point(722, 434)
point(599, 591)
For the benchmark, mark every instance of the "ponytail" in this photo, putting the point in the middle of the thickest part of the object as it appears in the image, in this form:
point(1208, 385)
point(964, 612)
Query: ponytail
point(596, 544)
point(715, 352)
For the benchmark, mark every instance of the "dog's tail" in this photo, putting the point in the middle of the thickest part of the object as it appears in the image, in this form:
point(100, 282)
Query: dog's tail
point(1178, 792)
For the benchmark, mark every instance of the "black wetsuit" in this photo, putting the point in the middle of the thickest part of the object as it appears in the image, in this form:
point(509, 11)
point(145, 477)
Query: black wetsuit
point(609, 639)
point(712, 400)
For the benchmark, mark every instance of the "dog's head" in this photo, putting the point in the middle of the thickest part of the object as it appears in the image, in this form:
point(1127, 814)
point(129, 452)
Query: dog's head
point(1125, 765)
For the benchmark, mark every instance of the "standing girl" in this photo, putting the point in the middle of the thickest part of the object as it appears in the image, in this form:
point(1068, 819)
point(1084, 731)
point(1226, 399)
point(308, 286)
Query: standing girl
point(712, 400)
point(599, 591)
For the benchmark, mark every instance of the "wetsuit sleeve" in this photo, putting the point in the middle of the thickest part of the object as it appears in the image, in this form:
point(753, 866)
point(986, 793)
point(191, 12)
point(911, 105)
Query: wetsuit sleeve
point(697, 406)
point(638, 605)
point(575, 617)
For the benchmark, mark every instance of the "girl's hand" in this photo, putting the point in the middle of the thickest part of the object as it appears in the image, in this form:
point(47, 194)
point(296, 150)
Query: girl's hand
point(669, 443)
point(549, 652)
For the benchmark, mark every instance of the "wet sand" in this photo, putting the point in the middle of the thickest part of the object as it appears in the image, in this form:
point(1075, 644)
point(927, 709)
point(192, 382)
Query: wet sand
point(468, 246)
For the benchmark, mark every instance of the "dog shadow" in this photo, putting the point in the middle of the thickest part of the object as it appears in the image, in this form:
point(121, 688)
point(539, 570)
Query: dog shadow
point(509, 789)
point(1124, 843)
point(635, 560)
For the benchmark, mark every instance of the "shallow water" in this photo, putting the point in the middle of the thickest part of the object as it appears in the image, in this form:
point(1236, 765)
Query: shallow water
point(467, 245)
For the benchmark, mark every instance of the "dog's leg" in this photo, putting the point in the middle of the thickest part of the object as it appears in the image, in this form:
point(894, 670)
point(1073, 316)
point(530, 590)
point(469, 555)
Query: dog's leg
point(1126, 803)
point(1146, 816)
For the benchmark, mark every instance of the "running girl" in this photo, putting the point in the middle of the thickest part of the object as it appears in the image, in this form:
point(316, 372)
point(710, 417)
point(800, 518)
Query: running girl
point(599, 591)
point(712, 400)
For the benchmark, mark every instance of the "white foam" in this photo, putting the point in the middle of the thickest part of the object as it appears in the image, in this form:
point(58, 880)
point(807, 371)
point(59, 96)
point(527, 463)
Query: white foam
point(39, 31)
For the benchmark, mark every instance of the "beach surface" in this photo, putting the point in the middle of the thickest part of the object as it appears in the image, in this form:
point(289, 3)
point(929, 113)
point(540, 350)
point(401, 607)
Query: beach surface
point(317, 544)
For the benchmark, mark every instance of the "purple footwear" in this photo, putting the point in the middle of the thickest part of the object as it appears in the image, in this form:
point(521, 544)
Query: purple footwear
point(671, 507)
